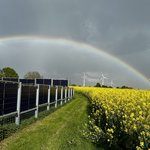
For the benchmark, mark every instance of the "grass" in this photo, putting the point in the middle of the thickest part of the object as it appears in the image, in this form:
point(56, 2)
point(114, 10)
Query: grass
point(61, 130)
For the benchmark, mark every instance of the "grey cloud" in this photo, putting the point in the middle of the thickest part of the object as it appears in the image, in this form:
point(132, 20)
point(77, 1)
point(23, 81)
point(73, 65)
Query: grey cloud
point(17, 17)
point(133, 43)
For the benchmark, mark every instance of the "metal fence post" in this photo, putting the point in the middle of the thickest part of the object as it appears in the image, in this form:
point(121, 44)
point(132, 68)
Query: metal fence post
point(65, 94)
point(68, 94)
point(52, 82)
point(17, 121)
point(49, 97)
point(61, 96)
point(71, 93)
point(35, 81)
point(56, 96)
point(37, 101)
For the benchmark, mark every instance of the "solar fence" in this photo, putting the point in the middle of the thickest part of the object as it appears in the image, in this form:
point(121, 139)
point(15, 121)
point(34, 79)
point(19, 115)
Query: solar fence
point(17, 98)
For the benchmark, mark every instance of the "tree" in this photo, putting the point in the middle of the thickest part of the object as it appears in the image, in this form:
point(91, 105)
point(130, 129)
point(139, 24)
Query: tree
point(97, 85)
point(1, 74)
point(32, 75)
point(8, 72)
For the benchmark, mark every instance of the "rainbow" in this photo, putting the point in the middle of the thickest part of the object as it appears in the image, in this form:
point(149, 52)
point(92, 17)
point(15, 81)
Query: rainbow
point(64, 42)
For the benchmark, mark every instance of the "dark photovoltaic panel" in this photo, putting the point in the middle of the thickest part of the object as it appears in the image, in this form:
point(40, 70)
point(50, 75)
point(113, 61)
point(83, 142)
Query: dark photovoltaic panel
point(32, 101)
point(10, 98)
point(11, 79)
point(43, 81)
point(63, 93)
point(60, 82)
point(39, 81)
point(1, 97)
point(64, 82)
point(56, 82)
point(59, 92)
point(27, 81)
point(52, 96)
point(43, 94)
point(25, 98)
point(47, 81)
point(28, 97)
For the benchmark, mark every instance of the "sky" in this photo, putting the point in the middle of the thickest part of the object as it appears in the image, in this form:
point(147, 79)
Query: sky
point(118, 28)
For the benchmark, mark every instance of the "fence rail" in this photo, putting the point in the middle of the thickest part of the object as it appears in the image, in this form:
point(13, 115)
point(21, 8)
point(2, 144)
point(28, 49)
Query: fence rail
point(17, 98)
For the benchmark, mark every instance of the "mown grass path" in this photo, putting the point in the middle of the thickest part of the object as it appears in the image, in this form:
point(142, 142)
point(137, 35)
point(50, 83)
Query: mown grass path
point(61, 130)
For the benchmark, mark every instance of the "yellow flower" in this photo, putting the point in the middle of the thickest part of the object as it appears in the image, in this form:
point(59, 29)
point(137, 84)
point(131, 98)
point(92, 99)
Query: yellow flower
point(141, 144)
point(132, 115)
point(138, 148)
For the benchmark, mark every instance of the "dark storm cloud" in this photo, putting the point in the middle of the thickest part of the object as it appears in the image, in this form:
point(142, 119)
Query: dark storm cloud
point(17, 17)
point(133, 44)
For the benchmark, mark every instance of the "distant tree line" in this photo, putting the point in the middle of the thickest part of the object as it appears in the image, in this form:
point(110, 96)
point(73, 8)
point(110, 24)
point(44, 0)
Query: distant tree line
point(124, 87)
point(105, 86)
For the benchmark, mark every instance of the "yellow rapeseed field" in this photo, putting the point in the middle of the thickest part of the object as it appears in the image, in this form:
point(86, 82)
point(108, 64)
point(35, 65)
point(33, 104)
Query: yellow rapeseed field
point(119, 116)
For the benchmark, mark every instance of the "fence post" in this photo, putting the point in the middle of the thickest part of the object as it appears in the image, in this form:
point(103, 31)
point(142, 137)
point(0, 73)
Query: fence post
point(35, 81)
point(68, 94)
point(49, 97)
point(37, 101)
point(52, 82)
point(61, 95)
point(65, 94)
point(17, 121)
point(72, 92)
point(56, 96)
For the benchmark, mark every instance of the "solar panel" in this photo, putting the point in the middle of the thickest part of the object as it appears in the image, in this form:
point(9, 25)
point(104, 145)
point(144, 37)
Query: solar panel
point(11, 79)
point(52, 96)
point(47, 81)
point(10, 98)
point(27, 81)
point(43, 94)
point(56, 82)
point(28, 97)
point(64, 82)
point(39, 81)
point(1, 97)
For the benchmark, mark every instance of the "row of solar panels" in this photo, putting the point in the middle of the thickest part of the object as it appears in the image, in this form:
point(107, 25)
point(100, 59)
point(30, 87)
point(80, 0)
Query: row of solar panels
point(52, 82)
point(8, 96)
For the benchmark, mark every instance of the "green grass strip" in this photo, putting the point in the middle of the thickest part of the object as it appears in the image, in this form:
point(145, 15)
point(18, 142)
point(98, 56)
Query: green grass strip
point(61, 130)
